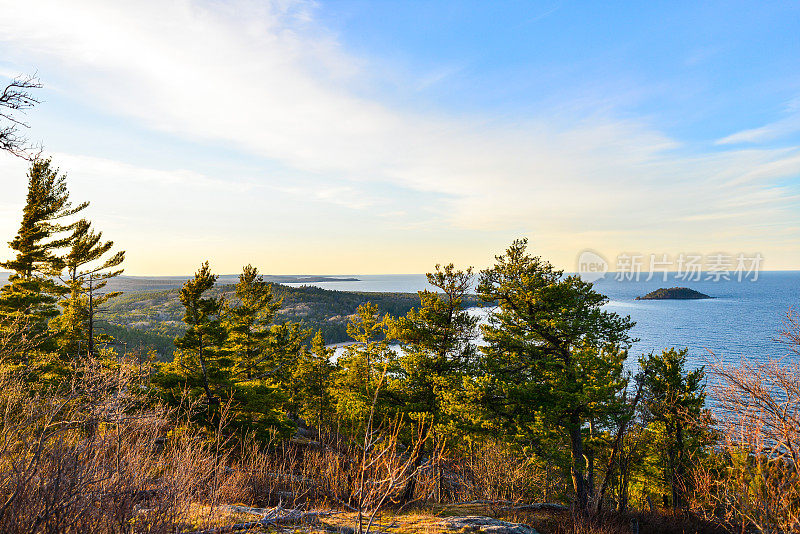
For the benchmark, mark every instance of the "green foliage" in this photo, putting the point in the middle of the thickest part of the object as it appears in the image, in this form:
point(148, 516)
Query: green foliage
point(553, 358)
point(672, 392)
point(313, 373)
point(232, 355)
point(247, 322)
point(32, 290)
point(674, 400)
point(198, 364)
point(437, 346)
point(364, 366)
point(87, 275)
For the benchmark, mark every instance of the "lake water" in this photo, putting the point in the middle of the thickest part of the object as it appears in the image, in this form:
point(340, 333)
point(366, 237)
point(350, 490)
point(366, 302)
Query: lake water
point(743, 320)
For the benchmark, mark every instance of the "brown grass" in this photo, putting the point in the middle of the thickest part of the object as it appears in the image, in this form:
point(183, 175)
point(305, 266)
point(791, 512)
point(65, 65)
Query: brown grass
point(98, 456)
point(91, 457)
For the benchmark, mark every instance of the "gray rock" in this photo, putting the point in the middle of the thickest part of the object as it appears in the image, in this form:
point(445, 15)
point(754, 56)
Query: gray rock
point(484, 525)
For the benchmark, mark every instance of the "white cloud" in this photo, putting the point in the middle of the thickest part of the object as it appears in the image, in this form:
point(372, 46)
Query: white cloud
point(265, 78)
point(775, 130)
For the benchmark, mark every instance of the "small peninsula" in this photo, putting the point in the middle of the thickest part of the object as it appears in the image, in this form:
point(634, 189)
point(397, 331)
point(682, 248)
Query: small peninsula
point(674, 293)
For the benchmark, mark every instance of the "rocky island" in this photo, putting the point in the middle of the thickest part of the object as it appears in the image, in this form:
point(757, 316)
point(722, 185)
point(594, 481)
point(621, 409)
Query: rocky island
point(674, 293)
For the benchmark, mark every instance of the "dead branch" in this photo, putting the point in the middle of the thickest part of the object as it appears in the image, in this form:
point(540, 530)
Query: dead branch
point(14, 100)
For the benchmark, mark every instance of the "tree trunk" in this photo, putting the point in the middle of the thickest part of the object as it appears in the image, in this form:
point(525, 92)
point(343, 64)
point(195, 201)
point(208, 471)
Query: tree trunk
point(408, 492)
point(578, 480)
point(624, 471)
point(677, 471)
point(206, 388)
point(590, 472)
point(616, 450)
point(91, 318)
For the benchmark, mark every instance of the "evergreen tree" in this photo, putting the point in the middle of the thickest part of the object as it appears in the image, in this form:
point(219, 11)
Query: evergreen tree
point(313, 373)
point(437, 341)
point(437, 352)
point(248, 322)
point(674, 400)
point(87, 273)
point(32, 290)
point(553, 356)
point(199, 356)
point(363, 366)
point(228, 355)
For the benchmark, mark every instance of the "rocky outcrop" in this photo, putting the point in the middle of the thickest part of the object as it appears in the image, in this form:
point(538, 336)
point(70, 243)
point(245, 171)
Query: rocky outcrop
point(482, 524)
point(674, 293)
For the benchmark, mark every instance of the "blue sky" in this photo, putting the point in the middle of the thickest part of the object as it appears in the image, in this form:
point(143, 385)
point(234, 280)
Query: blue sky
point(697, 69)
point(383, 137)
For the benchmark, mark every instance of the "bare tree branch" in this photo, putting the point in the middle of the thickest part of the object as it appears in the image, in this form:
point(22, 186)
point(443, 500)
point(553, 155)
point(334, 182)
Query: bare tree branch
point(14, 100)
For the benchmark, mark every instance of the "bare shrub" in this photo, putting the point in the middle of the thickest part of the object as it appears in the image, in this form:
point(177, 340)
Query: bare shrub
point(493, 471)
point(753, 480)
point(18, 338)
point(92, 457)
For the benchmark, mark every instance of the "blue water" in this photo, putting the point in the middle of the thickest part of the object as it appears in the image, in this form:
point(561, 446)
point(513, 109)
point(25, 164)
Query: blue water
point(743, 320)
point(402, 283)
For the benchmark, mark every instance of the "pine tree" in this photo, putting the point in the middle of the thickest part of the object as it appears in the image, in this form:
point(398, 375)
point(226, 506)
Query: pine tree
point(87, 273)
point(228, 355)
point(198, 356)
point(364, 364)
point(553, 356)
point(32, 290)
point(437, 352)
point(437, 341)
point(265, 357)
point(314, 372)
point(674, 399)
point(248, 322)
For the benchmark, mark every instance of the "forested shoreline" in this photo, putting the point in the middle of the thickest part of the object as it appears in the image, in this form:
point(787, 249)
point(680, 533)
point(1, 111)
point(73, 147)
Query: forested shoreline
point(154, 318)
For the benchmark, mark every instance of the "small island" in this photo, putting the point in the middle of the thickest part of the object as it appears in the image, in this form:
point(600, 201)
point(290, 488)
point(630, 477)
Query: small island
point(674, 293)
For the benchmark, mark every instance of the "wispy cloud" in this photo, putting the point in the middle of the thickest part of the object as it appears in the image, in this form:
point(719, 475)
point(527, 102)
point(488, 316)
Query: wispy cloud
point(266, 79)
point(774, 130)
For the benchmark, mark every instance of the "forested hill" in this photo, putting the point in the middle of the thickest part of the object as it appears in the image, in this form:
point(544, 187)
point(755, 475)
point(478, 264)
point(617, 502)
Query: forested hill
point(155, 318)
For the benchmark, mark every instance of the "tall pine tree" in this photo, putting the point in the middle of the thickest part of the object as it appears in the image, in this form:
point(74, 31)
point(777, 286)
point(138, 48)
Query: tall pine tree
point(248, 321)
point(437, 352)
point(262, 357)
point(313, 373)
point(87, 274)
point(363, 366)
point(674, 400)
point(553, 356)
point(199, 349)
point(32, 290)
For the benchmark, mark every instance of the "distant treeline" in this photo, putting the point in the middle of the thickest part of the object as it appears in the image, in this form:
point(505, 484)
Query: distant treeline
point(152, 319)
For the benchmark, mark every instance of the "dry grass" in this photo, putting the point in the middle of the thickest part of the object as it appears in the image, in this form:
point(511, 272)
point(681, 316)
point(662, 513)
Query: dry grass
point(95, 456)
point(428, 519)
point(92, 457)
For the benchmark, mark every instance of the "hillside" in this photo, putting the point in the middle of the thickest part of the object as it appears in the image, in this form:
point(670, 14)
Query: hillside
point(155, 318)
